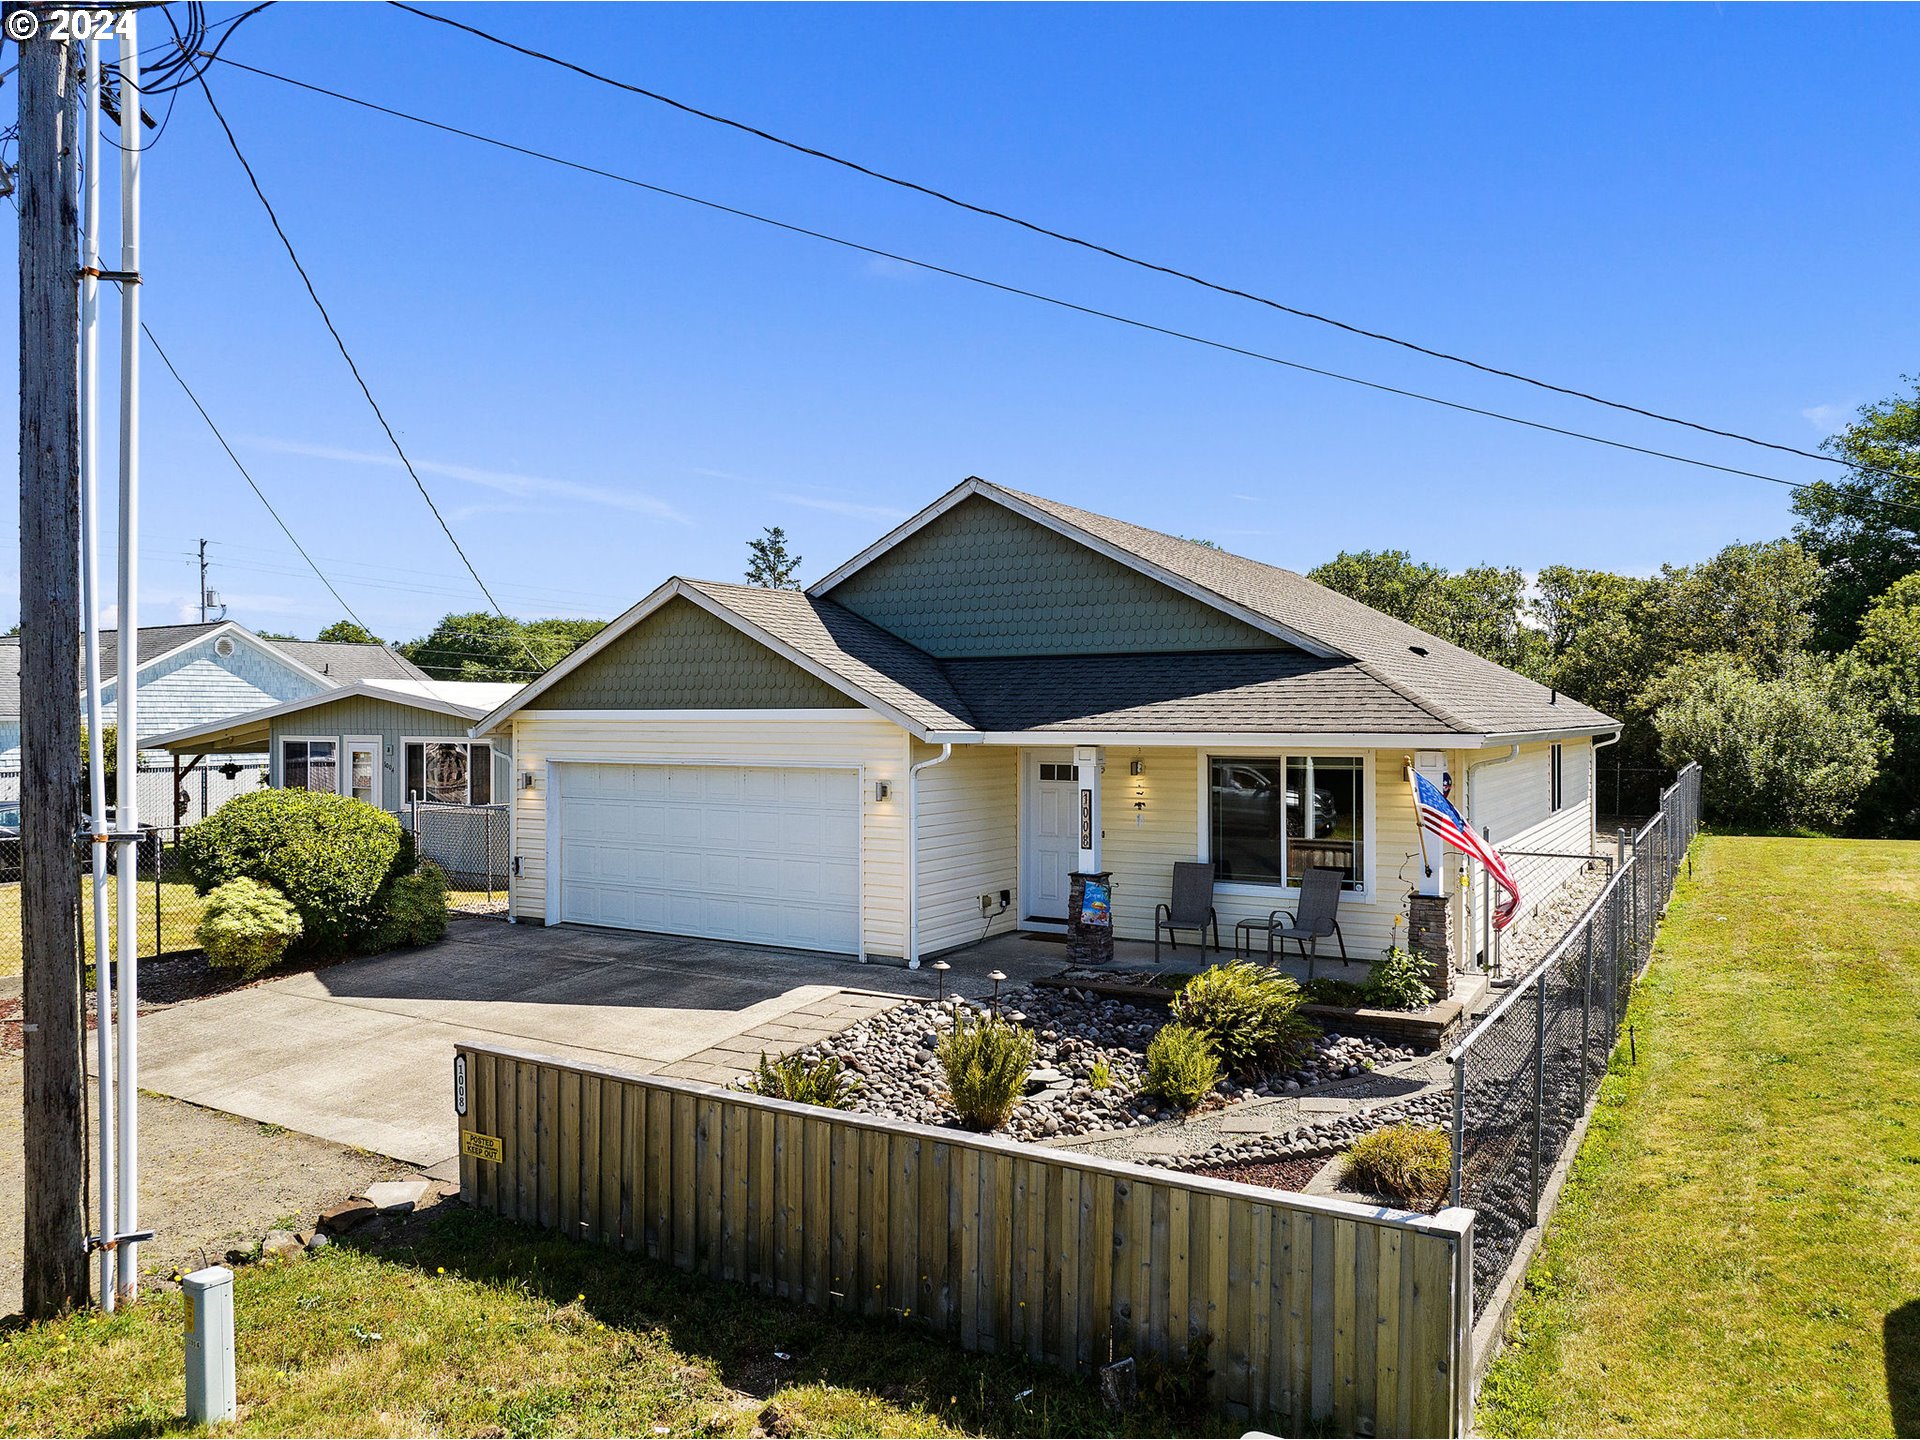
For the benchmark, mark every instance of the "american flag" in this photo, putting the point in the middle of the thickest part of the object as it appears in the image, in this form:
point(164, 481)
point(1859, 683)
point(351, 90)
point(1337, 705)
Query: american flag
point(1437, 814)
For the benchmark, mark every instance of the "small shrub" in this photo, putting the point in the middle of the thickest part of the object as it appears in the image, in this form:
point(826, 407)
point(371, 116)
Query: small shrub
point(986, 1060)
point(1250, 1013)
point(328, 854)
point(1100, 1076)
point(1398, 981)
point(413, 909)
point(1408, 1164)
point(1182, 1066)
point(1323, 990)
point(247, 926)
point(824, 1082)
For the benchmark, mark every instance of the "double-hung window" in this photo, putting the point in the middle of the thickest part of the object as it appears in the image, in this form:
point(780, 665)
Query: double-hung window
point(310, 764)
point(1272, 818)
point(450, 772)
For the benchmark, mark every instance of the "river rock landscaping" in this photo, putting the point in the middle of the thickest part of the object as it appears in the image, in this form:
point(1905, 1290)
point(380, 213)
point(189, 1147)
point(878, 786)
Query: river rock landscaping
point(893, 1056)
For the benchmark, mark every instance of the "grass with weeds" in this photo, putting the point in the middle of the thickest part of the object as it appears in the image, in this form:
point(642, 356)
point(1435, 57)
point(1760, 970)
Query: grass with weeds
point(467, 1324)
point(1737, 1250)
point(170, 929)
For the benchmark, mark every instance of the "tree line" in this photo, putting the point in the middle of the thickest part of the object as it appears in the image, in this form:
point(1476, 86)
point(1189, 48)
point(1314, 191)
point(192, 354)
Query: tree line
point(1790, 668)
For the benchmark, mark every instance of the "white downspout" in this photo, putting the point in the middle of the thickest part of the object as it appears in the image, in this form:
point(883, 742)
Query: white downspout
point(1593, 780)
point(913, 850)
point(1489, 936)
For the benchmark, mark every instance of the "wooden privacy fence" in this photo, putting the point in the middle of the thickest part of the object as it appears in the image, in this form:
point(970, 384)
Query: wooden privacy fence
point(1318, 1312)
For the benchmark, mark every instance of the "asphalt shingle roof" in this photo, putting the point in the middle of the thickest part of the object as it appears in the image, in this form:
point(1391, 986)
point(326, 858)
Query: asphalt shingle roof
point(1467, 692)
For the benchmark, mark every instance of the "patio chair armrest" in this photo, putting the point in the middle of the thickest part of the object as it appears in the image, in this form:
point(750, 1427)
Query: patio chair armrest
point(1276, 914)
point(1162, 911)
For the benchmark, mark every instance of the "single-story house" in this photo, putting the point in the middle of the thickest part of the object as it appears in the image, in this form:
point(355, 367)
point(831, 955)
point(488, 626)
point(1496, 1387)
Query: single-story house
point(915, 752)
point(197, 674)
point(385, 741)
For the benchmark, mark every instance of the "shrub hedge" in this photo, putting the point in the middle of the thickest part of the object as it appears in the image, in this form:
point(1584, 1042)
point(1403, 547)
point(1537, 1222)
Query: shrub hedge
point(1411, 1165)
point(1250, 1014)
point(987, 1061)
point(329, 855)
point(247, 926)
point(1182, 1065)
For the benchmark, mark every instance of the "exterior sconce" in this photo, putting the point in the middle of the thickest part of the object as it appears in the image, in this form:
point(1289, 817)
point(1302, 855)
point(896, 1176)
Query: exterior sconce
point(1138, 767)
point(526, 780)
point(882, 790)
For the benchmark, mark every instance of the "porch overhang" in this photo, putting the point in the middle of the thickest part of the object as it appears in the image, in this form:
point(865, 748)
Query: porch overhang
point(1215, 739)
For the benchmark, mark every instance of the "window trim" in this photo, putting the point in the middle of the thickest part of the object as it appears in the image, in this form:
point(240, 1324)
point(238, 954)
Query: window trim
point(280, 759)
point(406, 741)
point(1363, 889)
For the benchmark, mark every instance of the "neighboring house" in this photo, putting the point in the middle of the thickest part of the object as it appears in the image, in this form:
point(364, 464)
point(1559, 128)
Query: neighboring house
point(193, 674)
point(916, 752)
point(385, 741)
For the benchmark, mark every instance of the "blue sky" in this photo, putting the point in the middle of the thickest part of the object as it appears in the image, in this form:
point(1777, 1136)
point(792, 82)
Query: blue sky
point(1702, 209)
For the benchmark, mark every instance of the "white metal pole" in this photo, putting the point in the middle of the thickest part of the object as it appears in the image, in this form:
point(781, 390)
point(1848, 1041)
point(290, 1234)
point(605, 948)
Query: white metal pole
point(127, 882)
point(90, 600)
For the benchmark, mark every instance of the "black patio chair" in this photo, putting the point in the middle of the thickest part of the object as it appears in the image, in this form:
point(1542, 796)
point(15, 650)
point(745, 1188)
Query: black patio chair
point(1315, 918)
point(1192, 907)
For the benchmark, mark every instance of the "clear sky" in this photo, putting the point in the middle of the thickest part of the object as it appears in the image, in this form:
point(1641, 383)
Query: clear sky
point(1703, 209)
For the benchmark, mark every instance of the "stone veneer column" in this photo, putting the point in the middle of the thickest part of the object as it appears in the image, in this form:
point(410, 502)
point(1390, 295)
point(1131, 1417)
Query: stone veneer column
point(1429, 934)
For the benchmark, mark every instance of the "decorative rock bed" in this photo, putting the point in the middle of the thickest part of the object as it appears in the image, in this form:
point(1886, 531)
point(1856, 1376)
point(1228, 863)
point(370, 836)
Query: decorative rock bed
point(1321, 1139)
point(893, 1056)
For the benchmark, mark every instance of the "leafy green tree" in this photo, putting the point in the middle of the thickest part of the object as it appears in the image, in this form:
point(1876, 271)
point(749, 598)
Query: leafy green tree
point(1482, 609)
point(109, 754)
point(1865, 528)
point(1888, 661)
point(1755, 601)
point(771, 566)
point(348, 632)
point(480, 645)
point(1793, 751)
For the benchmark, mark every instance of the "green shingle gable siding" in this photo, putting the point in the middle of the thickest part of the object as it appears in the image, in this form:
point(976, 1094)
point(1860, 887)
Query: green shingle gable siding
point(981, 580)
point(683, 658)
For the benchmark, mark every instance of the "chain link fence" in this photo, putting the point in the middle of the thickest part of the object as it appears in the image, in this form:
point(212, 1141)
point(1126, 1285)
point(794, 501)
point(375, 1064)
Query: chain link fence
point(469, 843)
point(1525, 1074)
point(167, 907)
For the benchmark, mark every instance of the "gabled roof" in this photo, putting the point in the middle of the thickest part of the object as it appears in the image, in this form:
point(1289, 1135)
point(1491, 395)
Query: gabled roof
point(1464, 692)
point(855, 656)
point(324, 661)
point(462, 699)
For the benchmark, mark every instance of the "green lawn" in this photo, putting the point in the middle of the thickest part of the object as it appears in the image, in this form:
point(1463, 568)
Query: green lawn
point(179, 913)
point(1738, 1250)
point(477, 1326)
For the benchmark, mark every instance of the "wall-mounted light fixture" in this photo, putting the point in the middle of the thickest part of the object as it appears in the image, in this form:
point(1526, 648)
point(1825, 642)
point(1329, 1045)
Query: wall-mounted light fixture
point(882, 790)
point(1138, 767)
point(526, 779)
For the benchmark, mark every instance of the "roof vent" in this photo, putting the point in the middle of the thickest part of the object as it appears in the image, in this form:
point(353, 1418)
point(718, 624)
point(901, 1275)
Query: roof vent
point(1418, 649)
point(223, 647)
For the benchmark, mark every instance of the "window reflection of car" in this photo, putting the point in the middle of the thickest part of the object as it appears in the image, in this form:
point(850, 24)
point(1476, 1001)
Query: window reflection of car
point(1248, 793)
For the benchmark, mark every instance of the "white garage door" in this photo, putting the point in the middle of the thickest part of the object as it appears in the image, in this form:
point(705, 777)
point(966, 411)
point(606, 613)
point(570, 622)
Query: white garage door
point(731, 852)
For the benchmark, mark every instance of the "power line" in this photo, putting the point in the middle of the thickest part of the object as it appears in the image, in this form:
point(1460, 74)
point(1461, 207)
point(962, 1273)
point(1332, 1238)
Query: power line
point(1100, 249)
point(345, 354)
point(253, 485)
point(1053, 300)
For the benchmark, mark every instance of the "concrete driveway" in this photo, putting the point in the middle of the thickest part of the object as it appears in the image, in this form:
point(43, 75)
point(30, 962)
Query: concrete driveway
point(361, 1053)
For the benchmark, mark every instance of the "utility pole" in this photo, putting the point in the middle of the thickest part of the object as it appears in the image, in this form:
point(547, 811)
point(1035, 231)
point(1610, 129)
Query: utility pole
point(203, 581)
point(55, 1277)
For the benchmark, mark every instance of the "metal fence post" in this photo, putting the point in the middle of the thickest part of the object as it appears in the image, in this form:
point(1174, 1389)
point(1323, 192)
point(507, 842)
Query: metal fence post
point(1586, 1008)
point(159, 948)
point(1539, 1087)
point(1459, 1125)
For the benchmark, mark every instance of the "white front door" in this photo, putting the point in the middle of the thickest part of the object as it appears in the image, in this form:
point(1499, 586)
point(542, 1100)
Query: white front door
point(360, 774)
point(1050, 846)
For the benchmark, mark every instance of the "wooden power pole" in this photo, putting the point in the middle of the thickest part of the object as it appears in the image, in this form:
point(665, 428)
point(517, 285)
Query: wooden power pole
point(56, 1272)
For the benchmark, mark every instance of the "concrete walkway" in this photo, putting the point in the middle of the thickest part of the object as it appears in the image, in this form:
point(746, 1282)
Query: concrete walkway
point(360, 1053)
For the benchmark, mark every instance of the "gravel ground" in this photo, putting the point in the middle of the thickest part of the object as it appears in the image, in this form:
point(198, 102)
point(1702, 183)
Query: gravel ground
point(893, 1055)
point(210, 1183)
point(1529, 941)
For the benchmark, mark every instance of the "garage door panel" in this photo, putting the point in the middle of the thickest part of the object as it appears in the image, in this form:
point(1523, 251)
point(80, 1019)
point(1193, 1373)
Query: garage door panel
point(762, 854)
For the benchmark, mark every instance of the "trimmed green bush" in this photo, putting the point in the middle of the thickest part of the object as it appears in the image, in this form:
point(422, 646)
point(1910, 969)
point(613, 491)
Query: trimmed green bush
point(247, 926)
point(413, 909)
point(328, 854)
point(1250, 1013)
point(1398, 981)
point(1182, 1066)
point(822, 1082)
point(987, 1061)
point(1409, 1165)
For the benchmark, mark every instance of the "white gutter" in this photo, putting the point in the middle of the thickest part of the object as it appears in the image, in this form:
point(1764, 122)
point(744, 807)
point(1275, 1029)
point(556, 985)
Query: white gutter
point(913, 850)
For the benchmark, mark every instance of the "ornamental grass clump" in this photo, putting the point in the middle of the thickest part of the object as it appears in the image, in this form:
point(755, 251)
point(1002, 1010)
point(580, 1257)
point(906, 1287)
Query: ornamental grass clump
point(1182, 1066)
point(987, 1061)
point(1250, 1013)
point(1409, 1165)
point(824, 1082)
point(247, 926)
